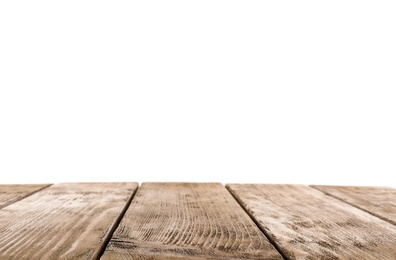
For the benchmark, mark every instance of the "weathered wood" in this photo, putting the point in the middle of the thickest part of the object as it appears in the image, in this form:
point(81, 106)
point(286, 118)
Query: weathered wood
point(379, 201)
point(10, 193)
point(64, 221)
point(187, 221)
point(304, 223)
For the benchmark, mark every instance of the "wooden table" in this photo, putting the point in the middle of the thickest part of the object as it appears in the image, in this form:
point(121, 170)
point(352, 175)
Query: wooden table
point(196, 221)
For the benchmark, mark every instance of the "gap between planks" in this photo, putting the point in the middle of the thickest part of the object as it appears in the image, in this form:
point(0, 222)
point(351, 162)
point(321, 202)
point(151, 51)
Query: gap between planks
point(377, 215)
point(99, 252)
point(24, 196)
point(277, 246)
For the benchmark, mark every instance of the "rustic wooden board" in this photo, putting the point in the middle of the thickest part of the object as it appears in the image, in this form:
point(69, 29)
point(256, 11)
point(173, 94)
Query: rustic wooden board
point(304, 223)
point(379, 201)
point(64, 221)
point(187, 221)
point(10, 193)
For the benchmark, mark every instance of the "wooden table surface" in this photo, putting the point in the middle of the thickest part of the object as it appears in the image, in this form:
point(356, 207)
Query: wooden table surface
point(196, 221)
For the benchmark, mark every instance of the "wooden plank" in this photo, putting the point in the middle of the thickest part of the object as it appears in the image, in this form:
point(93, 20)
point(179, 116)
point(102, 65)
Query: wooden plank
point(10, 193)
point(187, 221)
point(304, 223)
point(64, 221)
point(378, 201)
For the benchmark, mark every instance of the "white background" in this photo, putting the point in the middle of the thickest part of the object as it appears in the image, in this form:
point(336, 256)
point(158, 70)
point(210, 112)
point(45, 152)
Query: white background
point(225, 91)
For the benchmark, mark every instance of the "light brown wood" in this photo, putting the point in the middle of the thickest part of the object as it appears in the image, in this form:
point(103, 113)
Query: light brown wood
point(379, 201)
point(10, 193)
point(187, 221)
point(305, 223)
point(64, 221)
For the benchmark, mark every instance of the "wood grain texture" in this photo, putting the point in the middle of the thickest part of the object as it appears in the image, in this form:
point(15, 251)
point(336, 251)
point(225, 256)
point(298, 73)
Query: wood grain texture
point(378, 201)
point(305, 223)
point(64, 221)
point(187, 221)
point(10, 193)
